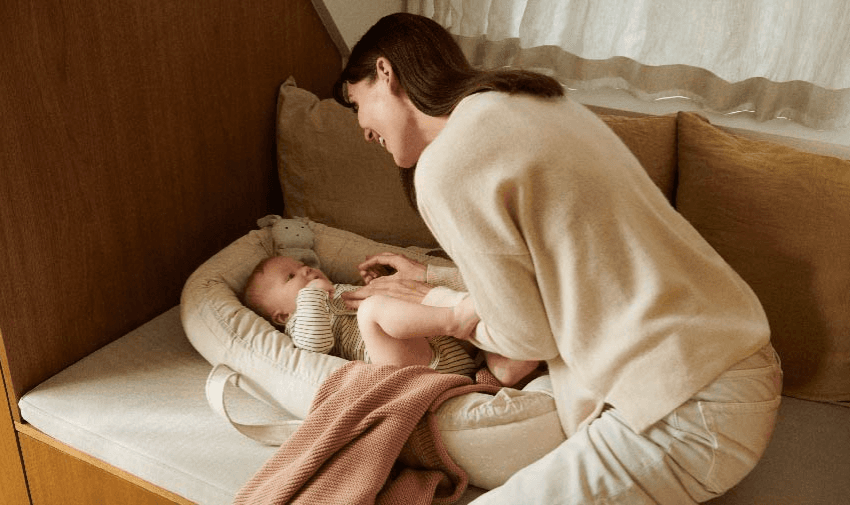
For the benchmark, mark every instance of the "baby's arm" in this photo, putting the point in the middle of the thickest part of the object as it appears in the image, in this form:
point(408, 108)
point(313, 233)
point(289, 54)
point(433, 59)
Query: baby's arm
point(310, 325)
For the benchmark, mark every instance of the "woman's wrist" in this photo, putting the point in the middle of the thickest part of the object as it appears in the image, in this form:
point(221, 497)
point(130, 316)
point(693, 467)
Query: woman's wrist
point(466, 319)
point(440, 296)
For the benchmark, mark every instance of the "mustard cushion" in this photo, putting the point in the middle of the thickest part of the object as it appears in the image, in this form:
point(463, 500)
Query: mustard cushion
point(781, 218)
point(652, 139)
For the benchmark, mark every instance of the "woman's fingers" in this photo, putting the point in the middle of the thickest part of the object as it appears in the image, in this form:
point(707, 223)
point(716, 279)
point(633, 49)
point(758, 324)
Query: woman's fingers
point(391, 264)
point(373, 272)
point(403, 289)
point(352, 299)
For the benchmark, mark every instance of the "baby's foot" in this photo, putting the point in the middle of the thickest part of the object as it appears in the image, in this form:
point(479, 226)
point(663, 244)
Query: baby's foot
point(509, 371)
point(465, 318)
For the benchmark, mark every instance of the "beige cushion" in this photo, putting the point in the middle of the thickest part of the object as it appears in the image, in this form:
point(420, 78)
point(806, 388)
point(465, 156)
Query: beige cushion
point(329, 173)
point(138, 404)
point(652, 139)
point(781, 218)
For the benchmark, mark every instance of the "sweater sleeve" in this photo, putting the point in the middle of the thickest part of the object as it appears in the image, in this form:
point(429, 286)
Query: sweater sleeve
point(310, 325)
point(474, 204)
point(484, 338)
point(448, 277)
point(448, 289)
point(522, 331)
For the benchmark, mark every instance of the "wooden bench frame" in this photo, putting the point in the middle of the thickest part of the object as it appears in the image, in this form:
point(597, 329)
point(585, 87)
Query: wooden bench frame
point(138, 140)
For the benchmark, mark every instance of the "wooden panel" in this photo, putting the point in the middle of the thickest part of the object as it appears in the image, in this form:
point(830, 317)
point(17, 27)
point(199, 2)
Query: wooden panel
point(13, 487)
point(138, 139)
point(59, 474)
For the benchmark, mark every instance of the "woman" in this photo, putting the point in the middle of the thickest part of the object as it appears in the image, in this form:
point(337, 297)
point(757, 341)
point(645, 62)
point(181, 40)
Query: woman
point(664, 378)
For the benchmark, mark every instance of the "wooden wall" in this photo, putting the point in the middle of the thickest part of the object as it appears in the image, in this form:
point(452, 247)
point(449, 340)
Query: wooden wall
point(137, 140)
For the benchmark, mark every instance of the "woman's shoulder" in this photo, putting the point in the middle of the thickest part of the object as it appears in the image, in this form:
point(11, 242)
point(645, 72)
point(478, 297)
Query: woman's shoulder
point(501, 116)
point(486, 105)
point(500, 102)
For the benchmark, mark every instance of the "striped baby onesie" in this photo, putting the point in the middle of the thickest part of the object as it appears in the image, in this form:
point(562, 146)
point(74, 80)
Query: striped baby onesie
point(324, 325)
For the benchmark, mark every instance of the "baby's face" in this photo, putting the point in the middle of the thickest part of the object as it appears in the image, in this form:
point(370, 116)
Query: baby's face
point(282, 279)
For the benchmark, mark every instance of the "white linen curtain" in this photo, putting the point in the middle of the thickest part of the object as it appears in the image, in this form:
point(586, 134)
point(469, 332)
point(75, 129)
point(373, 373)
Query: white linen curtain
point(775, 58)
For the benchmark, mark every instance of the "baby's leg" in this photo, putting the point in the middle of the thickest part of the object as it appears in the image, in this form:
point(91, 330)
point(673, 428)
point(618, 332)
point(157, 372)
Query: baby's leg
point(506, 370)
point(403, 320)
point(395, 331)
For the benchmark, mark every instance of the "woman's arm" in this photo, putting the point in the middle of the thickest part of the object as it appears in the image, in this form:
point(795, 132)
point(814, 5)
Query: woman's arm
point(403, 289)
point(411, 280)
point(479, 191)
point(448, 277)
point(397, 266)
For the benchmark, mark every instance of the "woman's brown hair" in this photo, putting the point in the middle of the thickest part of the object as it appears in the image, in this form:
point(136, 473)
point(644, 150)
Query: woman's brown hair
point(432, 70)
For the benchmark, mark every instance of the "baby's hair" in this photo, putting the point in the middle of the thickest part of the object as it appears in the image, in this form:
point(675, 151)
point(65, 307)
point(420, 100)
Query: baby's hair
point(251, 297)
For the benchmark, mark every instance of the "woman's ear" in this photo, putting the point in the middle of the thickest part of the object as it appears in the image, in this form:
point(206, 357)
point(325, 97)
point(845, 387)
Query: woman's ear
point(383, 67)
point(385, 72)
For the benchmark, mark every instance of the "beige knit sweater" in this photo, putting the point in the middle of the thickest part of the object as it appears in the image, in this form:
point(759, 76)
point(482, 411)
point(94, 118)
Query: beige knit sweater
point(572, 255)
point(370, 437)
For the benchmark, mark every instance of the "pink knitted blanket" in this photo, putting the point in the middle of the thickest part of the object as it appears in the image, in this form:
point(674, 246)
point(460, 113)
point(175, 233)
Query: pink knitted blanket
point(370, 437)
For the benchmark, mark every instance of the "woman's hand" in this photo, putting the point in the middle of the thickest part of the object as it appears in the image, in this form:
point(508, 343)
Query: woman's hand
point(404, 267)
point(403, 289)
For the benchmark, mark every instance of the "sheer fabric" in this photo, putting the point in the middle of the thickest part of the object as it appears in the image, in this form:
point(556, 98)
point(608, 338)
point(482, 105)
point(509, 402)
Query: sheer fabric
point(787, 58)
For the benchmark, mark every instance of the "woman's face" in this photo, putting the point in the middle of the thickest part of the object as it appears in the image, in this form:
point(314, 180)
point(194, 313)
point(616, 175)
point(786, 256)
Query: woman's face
point(387, 115)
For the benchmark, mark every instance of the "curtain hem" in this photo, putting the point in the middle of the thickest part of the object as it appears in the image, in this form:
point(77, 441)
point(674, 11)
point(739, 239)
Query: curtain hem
point(806, 103)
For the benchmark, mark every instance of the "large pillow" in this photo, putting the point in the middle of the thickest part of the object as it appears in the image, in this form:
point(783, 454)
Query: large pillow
point(781, 218)
point(329, 173)
point(652, 139)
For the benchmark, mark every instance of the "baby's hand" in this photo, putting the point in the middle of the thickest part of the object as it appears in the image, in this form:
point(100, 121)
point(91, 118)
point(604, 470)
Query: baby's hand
point(322, 284)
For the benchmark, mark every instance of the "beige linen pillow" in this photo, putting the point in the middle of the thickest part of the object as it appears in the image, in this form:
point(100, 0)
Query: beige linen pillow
point(330, 174)
point(781, 218)
point(652, 139)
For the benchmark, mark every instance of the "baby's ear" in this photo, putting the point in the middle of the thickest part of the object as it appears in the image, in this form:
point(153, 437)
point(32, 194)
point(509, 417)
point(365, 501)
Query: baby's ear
point(279, 318)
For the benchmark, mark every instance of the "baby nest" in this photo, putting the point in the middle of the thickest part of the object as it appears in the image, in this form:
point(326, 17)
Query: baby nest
point(489, 436)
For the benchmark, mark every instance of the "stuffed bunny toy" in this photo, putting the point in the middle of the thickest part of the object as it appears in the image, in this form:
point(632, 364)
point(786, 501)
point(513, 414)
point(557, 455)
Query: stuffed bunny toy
point(292, 238)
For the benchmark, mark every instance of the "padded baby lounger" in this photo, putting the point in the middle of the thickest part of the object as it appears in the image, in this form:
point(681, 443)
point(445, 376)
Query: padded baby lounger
point(519, 426)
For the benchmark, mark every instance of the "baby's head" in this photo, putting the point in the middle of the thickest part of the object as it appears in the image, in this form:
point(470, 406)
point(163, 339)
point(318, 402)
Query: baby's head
point(274, 284)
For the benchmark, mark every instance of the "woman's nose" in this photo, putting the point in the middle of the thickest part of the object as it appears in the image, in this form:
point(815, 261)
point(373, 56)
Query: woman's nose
point(369, 134)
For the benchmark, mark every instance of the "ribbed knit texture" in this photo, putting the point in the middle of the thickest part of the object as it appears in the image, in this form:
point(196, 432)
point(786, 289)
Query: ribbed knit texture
point(572, 255)
point(364, 419)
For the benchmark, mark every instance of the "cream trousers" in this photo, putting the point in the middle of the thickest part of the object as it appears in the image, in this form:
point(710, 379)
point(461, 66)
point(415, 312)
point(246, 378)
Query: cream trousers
point(697, 452)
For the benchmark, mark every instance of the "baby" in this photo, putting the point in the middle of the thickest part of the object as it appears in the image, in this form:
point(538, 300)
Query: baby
point(384, 330)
